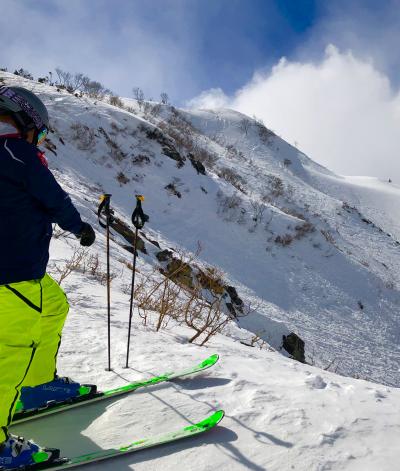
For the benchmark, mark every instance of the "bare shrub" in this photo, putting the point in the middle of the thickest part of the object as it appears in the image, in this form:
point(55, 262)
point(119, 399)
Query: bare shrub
point(328, 236)
point(228, 205)
point(284, 240)
point(276, 186)
point(140, 160)
point(258, 210)
point(173, 190)
point(162, 296)
point(94, 89)
point(71, 82)
point(233, 152)
point(198, 304)
point(257, 341)
point(164, 98)
point(139, 96)
point(204, 156)
point(265, 134)
point(233, 178)
point(92, 266)
point(147, 108)
point(23, 73)
point(269, 220)
point(116, 101)
point(122, 178)
point(303, 229)
point(183, 138)
point(293, 212)
point(155, 110)
point(115, 151)
point(73, 264)
point(116, 130)
point(206, 318)
point(245, 125)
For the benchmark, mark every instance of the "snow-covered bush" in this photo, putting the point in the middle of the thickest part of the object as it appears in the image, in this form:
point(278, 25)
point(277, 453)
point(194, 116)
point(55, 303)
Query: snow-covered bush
point(172, 189)
point(233, 178)
point(140, 160)
point(23, 73)
point(204, 156)
point(228, 205)
point(115, 151)
point(83, 135)
point(116, 101)
point(284, 240)
point(265, 134)
point(122, 178)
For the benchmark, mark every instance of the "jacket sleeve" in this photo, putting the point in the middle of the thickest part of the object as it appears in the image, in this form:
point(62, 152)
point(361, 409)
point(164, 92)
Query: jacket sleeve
point(41, 184)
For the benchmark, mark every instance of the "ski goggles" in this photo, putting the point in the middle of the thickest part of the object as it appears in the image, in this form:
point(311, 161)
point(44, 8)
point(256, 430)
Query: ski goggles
point(41, 136)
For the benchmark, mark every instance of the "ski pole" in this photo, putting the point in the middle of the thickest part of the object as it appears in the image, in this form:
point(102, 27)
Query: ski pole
point(104, 209)
point(138, 219)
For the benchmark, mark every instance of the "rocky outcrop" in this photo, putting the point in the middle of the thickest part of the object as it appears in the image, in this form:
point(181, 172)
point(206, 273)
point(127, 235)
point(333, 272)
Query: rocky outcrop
point(197, 165)
point(128, 234)
point(294, 345)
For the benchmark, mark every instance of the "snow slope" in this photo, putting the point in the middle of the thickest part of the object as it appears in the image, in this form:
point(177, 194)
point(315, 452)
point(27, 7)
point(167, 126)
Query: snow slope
point(280, 414)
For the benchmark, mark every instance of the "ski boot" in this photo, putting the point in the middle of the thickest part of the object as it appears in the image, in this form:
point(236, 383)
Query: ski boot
point(18, 453)
point(60, 390)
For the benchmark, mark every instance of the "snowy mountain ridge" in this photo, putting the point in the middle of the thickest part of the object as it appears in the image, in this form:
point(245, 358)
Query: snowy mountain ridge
point(310, 251)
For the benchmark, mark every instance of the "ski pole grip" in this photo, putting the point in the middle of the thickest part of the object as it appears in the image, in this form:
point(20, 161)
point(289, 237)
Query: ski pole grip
point(104, 208)
point(139, 218)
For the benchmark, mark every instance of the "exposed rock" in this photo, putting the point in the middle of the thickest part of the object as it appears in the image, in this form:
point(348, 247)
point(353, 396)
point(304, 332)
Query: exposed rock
point(172, 189)
point(294, 345)
point(232, 310)
point(197, 165)
point(128, 234)
point(154, 242)
point(210, 282)
point(179, 272)
point(231, 290)
point(172, 153)
point(164, 255)
point(168, 148)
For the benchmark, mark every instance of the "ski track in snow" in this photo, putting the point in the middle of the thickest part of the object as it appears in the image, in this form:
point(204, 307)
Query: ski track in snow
point(280, 414)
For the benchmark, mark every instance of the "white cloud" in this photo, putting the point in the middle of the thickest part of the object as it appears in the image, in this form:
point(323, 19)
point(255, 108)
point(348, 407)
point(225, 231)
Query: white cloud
point(341, 111)
point(113, 43)
point(213, 98)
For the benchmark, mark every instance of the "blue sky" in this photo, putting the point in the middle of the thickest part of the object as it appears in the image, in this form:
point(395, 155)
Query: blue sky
point(178, 46)
point(340, 77)
point(220, 43)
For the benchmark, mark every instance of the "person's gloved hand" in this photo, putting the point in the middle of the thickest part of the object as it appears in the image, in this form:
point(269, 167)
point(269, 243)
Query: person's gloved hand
point(87, 235)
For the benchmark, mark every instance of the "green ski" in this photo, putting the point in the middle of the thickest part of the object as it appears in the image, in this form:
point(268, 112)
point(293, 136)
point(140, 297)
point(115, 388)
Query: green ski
point(185, 432)
point(83, 400)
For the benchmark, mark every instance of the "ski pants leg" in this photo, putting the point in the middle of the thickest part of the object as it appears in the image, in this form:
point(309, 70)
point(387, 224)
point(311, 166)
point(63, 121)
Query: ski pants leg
point(32, 316)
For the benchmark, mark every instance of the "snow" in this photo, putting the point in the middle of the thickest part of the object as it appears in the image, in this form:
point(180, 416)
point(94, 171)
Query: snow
point(280, 414)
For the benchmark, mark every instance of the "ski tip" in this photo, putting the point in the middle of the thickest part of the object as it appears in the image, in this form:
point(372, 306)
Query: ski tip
point(210, 361)
point(211, 421)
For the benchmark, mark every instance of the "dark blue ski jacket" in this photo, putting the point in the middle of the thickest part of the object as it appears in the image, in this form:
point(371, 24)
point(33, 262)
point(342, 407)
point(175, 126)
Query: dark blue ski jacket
point(30, 200)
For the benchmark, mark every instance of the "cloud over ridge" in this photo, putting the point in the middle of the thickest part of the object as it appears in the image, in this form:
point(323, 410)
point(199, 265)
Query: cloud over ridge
point(340, 110)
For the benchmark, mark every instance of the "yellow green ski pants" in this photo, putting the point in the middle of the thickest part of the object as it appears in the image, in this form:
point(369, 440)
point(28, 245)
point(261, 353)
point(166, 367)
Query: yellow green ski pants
point(32, 316)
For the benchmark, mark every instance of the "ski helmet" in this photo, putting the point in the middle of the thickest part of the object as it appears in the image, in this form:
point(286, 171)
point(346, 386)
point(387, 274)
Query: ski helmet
point(27, 110)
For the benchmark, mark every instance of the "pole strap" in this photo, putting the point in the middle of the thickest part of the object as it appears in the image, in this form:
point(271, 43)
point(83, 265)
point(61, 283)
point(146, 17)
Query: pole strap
point(139, 218)
point(105, 210)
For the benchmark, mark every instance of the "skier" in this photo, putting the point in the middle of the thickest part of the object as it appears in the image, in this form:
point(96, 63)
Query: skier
point(33, 307)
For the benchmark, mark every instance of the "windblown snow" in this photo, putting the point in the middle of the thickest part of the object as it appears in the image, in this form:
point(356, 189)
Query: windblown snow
point(309, 251)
